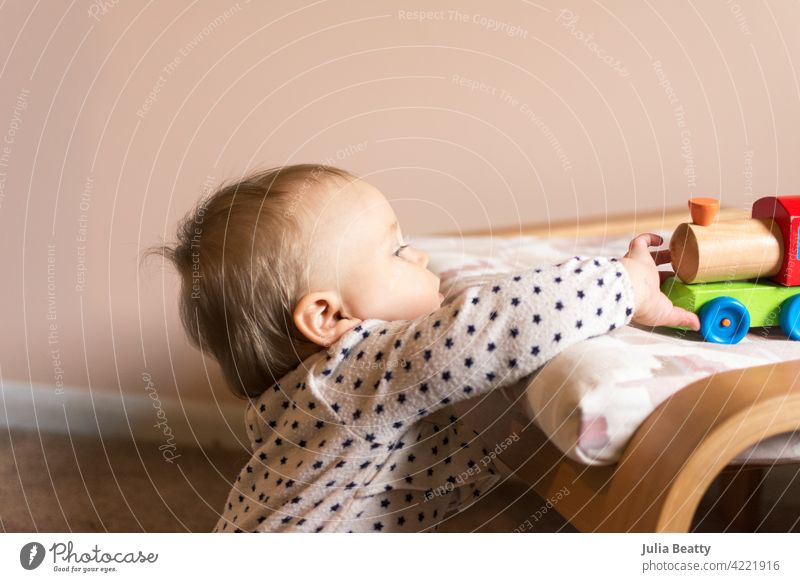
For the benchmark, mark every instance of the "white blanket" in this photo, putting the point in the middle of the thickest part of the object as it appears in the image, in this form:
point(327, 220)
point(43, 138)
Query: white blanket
point(591, 398)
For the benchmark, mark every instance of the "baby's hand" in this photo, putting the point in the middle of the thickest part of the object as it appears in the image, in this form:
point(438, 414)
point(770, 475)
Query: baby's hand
point(653, 308)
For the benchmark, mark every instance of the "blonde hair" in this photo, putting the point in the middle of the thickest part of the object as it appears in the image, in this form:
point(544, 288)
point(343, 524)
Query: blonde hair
point(241, 257)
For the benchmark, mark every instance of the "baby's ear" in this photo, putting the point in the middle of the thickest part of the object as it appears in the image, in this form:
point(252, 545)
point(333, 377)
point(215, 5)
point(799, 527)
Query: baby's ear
point(318, 316)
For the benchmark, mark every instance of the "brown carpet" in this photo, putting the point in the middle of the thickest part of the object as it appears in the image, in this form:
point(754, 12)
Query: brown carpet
point(54, 484)
point(50, 483)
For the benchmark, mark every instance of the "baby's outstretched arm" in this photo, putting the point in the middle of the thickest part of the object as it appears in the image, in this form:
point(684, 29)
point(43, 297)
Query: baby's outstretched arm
point(383, 375)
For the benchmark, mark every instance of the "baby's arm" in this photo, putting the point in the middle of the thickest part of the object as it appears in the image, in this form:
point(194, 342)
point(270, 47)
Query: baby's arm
point(387, 374)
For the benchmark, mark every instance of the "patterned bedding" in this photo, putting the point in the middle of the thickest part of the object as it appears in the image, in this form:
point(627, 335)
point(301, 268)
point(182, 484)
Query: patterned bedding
point(590, 399)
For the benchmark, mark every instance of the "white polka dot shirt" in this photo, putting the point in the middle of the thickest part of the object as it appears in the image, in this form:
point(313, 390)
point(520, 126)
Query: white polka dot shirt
point(361, 437)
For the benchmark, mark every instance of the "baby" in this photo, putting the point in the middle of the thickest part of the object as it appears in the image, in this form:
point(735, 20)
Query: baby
point(299, 282)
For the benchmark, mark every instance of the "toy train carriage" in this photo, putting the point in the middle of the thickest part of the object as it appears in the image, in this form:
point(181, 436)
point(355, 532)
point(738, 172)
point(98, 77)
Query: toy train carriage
point(738, 274)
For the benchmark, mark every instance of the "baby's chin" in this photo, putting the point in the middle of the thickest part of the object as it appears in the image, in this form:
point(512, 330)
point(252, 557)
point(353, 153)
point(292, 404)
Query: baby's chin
point(437, 304)
point(424, 309)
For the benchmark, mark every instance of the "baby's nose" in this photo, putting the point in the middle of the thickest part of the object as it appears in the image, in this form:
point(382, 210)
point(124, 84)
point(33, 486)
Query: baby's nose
point(421, 258)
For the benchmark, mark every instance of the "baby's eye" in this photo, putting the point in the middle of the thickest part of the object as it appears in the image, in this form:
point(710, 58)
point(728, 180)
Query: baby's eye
point(406, 243)
point(400, 248)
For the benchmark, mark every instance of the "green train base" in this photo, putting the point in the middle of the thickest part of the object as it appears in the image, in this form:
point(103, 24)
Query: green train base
point(728, 309)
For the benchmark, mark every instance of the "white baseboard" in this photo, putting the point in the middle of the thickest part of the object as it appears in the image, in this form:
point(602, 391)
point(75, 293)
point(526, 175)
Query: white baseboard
point(104, 414)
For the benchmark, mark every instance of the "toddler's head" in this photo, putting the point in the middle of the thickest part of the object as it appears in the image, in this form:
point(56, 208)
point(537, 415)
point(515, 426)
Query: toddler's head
point(282, 263)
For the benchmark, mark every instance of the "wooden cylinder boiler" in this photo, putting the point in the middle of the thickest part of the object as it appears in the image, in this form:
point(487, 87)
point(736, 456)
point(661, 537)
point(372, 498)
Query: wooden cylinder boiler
point(727, 250)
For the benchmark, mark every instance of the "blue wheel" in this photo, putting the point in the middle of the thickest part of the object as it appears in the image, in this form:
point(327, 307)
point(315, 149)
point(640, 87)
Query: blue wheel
point(790, 317)
point(724, 320)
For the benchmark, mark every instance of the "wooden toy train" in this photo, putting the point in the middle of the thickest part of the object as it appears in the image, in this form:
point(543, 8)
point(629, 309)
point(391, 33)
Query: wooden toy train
point(738, 274)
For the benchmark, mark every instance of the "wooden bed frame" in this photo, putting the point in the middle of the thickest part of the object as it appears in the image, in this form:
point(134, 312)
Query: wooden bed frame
point(687, 442)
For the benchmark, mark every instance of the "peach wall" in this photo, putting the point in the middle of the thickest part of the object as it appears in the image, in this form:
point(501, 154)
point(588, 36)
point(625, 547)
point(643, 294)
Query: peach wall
point(480, 114)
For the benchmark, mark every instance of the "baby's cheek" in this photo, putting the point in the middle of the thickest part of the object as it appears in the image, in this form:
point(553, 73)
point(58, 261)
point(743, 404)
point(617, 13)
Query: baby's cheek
point(415, 294)
point(397, 300)
point(372, 297)
point(397, 291)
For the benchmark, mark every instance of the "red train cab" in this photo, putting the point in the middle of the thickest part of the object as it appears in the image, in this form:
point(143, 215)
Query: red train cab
point(785, 210)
